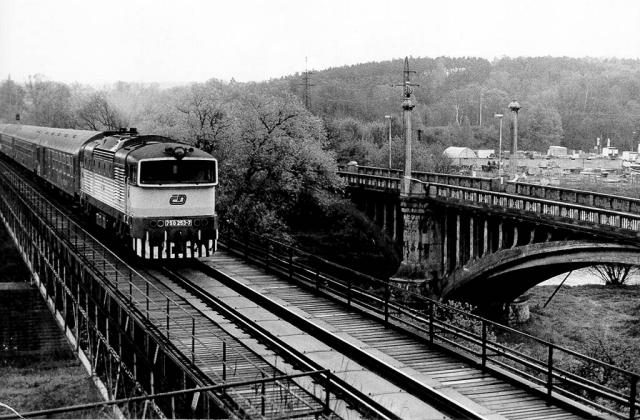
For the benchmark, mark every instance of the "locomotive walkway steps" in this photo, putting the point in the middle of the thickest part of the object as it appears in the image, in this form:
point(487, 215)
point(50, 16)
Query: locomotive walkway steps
point(490, 396)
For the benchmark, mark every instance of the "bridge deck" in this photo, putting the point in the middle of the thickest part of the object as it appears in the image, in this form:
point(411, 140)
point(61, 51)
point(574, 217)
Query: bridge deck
point(462, 381)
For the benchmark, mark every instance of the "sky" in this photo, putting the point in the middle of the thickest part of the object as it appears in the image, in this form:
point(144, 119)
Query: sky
point(104, 41)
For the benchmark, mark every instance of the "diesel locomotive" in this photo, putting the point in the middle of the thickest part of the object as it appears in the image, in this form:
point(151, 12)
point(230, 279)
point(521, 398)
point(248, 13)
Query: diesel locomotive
point(153, 192)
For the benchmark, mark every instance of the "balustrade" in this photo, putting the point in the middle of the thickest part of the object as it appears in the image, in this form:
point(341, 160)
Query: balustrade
point(577, 212)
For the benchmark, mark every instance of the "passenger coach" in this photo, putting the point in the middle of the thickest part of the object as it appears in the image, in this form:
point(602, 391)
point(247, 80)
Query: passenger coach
point(157, 194)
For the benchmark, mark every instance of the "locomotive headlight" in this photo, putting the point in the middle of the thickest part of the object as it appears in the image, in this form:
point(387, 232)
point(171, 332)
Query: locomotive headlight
point(160, 223)
point(153, 223)
point(196, 222)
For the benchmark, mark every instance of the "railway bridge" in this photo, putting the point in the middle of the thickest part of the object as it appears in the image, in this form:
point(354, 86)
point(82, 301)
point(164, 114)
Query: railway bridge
point(263, 330)
point(485, 241)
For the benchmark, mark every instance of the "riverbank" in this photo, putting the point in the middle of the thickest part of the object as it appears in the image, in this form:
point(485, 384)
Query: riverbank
point(600, 321)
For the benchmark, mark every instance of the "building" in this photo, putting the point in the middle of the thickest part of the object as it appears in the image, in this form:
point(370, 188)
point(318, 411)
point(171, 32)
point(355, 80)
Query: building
point(485, 153)
point(459, 153)
point(557, 151)
point(610, 151)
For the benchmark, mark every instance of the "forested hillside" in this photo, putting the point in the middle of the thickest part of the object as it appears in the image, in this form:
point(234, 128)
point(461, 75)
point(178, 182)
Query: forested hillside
point(565, 101)
point(278, 157)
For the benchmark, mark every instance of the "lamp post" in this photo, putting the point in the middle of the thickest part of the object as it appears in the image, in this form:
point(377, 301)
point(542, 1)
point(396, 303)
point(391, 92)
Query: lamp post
point(499, 116)
point(388, 117)
point(514, 107)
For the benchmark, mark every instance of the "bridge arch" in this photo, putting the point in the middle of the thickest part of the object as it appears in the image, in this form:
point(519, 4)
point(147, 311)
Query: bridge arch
point(506, 274)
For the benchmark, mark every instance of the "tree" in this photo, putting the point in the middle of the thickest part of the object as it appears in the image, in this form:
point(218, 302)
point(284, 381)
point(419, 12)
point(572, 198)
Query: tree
point(96, 113)
point(276, 162)
point(614, 274)
point(542, 128)
point(203, 109)
point(49, 103)
point(11, 100)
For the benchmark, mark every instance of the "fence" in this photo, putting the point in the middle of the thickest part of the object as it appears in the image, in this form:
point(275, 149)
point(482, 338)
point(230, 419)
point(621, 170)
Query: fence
point(469, 335)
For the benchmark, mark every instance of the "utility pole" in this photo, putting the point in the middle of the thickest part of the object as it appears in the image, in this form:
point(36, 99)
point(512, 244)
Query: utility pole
point(388, 117)
point(480, 119)
point(514, 107)
point(407, 107)
point(307, 85)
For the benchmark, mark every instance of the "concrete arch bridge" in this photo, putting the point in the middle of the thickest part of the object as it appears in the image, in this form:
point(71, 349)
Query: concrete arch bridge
point(484, 241)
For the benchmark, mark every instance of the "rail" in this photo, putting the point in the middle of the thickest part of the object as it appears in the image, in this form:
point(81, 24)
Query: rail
point(553, 370)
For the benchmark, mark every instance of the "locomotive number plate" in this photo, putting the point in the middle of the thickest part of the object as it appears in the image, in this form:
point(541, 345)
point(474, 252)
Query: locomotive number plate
point(183, 222)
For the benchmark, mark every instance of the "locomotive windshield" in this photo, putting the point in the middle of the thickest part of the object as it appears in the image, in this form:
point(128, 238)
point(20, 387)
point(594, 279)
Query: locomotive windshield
point(185, 171)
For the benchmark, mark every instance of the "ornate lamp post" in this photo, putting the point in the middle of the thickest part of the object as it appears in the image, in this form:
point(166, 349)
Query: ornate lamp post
point(514, 107)
point(499, 116)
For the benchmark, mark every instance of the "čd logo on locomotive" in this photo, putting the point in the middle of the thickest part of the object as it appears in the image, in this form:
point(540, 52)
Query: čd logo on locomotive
point(178, 199)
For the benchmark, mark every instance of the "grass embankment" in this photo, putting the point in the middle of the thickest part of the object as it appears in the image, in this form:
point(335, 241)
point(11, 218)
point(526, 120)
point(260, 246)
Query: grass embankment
point(49, 380)
point(46, 384)
point(596, 320)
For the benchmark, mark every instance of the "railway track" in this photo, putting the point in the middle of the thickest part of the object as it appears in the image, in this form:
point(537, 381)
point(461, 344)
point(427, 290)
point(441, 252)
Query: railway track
point(282, 318)
point(241, 341)
point(247, 317)
point(214, 357)
point(410, 362)
point(215, 354)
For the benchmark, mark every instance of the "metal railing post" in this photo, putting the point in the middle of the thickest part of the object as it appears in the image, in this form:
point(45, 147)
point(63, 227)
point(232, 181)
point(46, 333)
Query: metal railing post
point(193, 340)
point(147, 293)
point(484, 343)
point(387, 295)
point(431, 315)
point(633, 396)
point(327, 385)
point(263, 397)
point(167, 317)
point(224, 360)
point(290, 263)
point(550, 371)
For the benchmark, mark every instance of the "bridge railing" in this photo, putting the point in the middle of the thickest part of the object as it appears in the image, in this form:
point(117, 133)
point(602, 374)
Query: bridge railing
point(360, 175)
point(582, 197)
point(549, 368)
point(577, 213)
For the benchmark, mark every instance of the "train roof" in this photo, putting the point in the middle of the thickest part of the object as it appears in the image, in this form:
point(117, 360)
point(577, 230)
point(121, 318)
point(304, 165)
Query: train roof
point(164, 149)
point(62, 139)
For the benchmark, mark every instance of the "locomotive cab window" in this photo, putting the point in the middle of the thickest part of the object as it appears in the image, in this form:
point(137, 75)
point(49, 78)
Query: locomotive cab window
point(172, 171)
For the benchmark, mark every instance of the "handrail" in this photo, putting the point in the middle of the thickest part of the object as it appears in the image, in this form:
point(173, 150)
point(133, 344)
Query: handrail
point(576, 196)
point(401, 307)
point(544, 207)
point(172, 394)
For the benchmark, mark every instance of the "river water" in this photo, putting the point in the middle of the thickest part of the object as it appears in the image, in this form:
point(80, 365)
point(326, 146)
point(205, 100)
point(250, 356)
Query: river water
point(585, 276)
